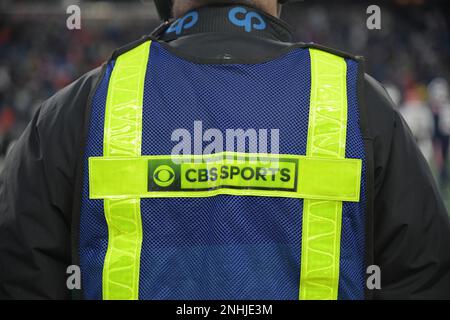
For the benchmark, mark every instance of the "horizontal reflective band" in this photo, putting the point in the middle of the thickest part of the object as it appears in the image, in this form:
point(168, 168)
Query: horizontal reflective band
point(266, 175)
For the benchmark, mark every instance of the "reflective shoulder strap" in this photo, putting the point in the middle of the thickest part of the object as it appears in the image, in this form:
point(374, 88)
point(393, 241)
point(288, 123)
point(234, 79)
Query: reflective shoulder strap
point(122, 138)
point(327, 129)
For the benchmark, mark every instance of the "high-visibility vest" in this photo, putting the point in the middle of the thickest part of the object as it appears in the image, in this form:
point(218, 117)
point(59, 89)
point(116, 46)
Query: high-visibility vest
point(226, 225)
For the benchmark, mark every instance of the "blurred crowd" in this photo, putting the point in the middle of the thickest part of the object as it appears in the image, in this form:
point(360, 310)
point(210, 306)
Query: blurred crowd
point(410, 55)
point(39, 56)
point(427, 112)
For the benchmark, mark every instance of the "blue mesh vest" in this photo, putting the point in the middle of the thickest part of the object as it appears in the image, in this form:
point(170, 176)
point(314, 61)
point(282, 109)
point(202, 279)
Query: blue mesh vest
point(223, 245)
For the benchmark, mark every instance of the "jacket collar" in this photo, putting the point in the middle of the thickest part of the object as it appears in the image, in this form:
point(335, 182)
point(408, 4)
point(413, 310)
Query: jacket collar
point(228, 19)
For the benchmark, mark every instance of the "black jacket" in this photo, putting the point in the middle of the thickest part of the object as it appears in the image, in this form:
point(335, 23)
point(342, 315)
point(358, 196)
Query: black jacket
point(408, 226)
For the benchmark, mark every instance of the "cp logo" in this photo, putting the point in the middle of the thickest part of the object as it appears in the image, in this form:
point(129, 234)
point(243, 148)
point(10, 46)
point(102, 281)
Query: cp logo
point(247, 22)
point(188, 21)
point(164, 176)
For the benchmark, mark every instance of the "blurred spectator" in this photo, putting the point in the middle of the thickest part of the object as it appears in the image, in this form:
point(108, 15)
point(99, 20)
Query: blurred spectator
point(7, 120)
point(420, 120)
point(438, 92)
point(395, 94)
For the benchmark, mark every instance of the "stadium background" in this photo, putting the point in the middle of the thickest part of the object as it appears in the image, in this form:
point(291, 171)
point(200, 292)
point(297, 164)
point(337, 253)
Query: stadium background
point(39, 55)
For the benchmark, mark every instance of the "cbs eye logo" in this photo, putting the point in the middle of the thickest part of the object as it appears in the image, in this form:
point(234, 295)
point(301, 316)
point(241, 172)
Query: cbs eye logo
point(164, 176)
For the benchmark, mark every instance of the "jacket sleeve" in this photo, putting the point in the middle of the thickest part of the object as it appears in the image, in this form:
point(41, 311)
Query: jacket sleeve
point(36, 195)
point(411, 223)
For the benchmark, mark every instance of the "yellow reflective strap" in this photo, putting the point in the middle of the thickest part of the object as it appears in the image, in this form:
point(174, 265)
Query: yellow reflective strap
point(264, 175)
point(321, 234)
point(122, 138)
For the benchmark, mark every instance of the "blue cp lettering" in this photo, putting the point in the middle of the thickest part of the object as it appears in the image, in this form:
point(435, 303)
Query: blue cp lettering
point(187, 22)
point(247, 20)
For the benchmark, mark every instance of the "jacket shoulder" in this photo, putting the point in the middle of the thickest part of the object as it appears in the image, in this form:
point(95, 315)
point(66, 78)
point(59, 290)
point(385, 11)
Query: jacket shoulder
point(73, 98)
point(333, 51)
point(128, 47)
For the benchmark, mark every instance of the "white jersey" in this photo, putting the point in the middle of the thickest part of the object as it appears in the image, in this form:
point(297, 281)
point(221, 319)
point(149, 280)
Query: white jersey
point(420, 120)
